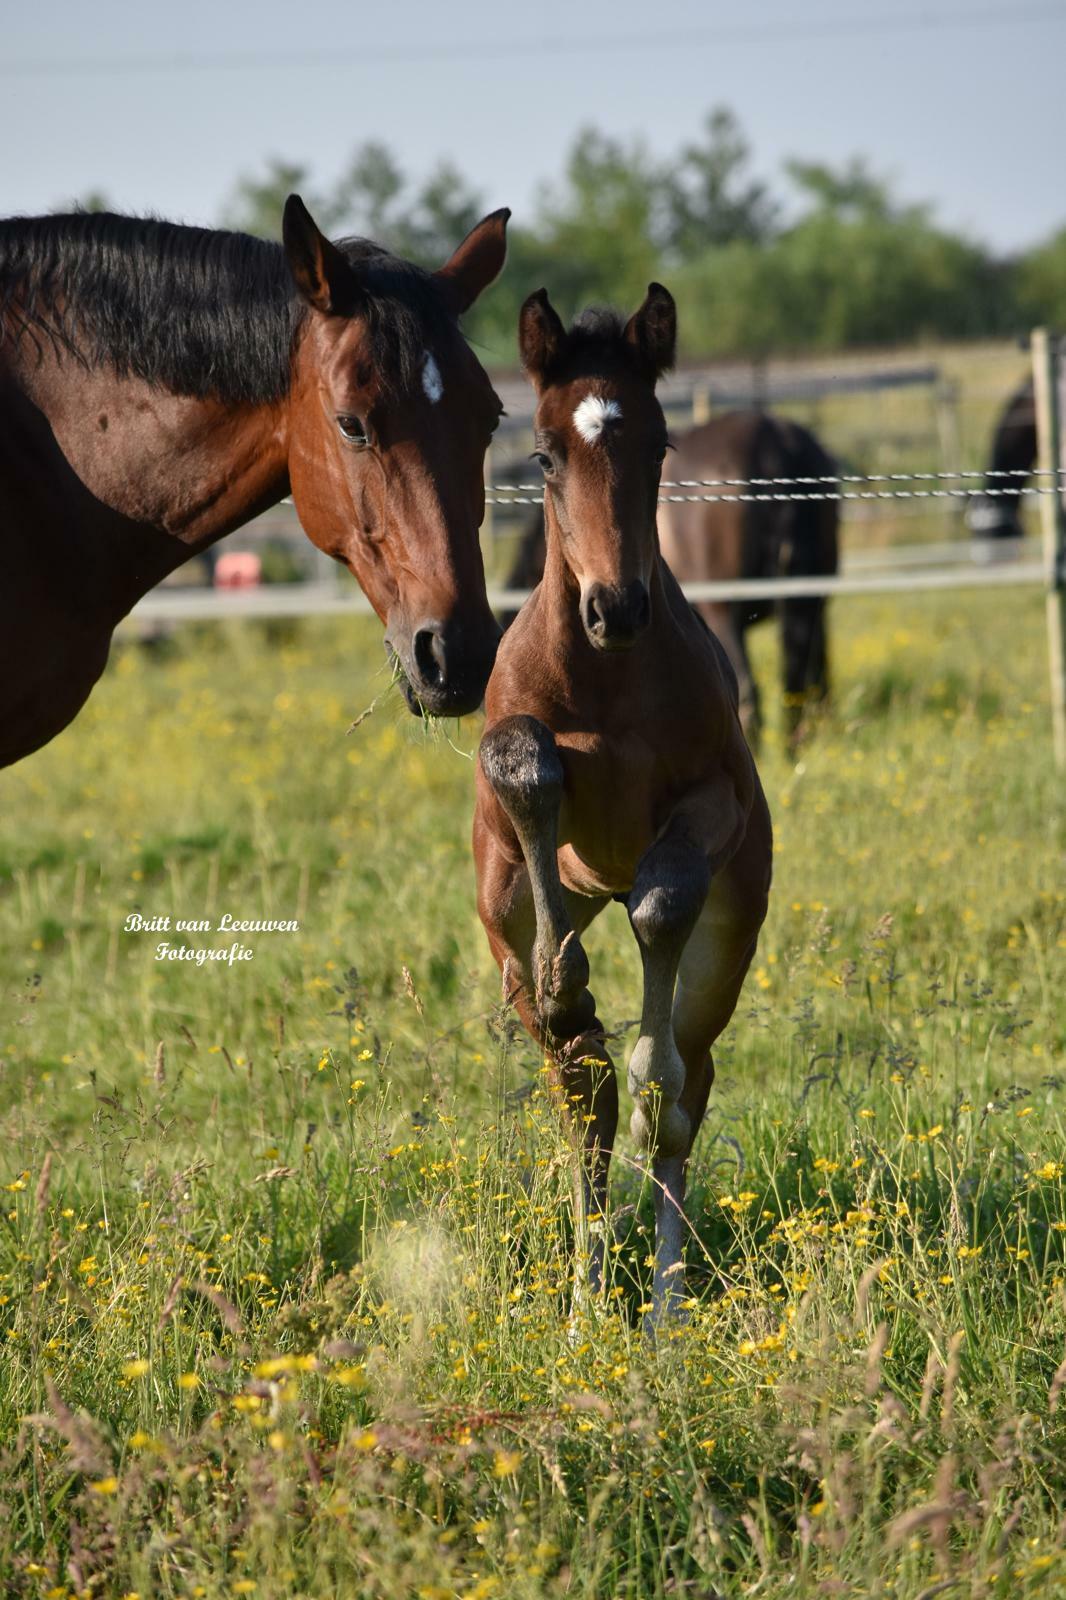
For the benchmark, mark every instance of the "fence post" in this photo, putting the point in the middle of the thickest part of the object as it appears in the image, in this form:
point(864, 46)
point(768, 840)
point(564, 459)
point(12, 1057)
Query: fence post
point(1046, 380)
point(702, 403)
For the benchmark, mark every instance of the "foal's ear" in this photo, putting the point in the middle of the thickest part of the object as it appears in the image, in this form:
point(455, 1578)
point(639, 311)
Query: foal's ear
point(476, 262)
point(321, 273)
point(540, 334)
point(652, 331)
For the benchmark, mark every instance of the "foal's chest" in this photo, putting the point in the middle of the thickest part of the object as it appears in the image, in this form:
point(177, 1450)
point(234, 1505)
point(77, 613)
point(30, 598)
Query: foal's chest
point(617, 796)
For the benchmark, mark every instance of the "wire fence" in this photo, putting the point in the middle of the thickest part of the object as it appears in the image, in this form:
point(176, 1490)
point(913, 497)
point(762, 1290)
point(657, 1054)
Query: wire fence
point(935, 566)
point(824, 487)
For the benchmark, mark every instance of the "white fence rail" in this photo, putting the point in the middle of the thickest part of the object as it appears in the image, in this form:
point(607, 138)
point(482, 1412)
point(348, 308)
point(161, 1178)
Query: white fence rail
point(325, 599)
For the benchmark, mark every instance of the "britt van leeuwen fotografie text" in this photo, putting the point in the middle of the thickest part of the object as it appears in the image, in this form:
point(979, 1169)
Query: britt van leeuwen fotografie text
point(203, 955)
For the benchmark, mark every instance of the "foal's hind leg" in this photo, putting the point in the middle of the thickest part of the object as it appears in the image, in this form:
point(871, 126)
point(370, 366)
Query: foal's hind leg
point(664, 905)
point(715, 962)
point(710, 867)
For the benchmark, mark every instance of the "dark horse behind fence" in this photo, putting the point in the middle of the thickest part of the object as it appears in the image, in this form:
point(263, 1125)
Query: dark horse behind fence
point(717, 540)
point(997, 515)
point(161, 385)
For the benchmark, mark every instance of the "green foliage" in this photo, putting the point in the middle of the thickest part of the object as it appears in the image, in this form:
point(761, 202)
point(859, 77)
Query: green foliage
point(835, 280)
point(1041, 280)
point(371, 198)
point(846, 263)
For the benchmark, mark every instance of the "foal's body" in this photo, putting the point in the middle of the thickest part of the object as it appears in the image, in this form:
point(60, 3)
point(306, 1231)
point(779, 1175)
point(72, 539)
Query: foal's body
point(614, 767)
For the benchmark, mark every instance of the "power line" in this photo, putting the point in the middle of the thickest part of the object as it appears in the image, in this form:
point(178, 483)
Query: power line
point(763, 34)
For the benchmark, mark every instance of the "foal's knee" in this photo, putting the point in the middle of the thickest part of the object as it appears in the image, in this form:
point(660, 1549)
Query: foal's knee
point(668, 893)
point(520, 759)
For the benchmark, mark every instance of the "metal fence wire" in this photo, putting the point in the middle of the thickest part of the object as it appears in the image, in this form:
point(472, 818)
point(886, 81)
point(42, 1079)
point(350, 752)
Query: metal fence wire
point(826, 487)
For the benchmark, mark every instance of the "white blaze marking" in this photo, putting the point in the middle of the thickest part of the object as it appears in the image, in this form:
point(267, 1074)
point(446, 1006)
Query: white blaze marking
point(432, 382)
point(593, 414)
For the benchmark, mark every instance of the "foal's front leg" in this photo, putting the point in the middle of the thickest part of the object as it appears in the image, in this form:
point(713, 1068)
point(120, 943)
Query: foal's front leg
point(664, 905)
point(520, 760)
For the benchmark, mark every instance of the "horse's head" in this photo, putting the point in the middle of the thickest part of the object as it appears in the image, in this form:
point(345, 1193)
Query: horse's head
point(391, 414)
point(600, 440)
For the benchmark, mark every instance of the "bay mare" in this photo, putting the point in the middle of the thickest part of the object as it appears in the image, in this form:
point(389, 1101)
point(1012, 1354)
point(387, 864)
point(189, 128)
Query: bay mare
point(161, 385)
point(614, 767)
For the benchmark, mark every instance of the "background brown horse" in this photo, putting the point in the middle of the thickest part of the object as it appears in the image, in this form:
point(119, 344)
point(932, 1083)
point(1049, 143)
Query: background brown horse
point(161, 385)
point(716, 540)
point(708, 540)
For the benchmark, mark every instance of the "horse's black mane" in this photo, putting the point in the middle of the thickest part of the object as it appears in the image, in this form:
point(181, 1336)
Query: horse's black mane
point(197, 311)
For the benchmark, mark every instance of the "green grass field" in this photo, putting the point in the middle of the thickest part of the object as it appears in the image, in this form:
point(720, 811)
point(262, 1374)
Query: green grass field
point(284, 1274)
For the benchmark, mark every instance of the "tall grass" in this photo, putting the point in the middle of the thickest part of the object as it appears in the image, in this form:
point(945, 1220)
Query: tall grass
point(287, 1253)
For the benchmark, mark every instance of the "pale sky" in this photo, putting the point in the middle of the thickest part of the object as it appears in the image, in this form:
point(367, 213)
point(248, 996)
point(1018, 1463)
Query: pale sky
point(163, 107)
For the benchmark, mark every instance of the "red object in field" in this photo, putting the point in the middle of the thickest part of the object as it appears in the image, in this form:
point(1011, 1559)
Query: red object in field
point(238, 569)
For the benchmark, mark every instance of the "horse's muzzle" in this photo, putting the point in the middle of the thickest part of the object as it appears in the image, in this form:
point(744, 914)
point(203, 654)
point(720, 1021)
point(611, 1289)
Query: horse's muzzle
point(614, 617)
point(444, 668)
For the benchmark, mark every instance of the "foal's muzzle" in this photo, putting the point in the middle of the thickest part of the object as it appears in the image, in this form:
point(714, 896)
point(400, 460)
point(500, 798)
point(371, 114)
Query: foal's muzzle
point(613, 617)
point(444, 667)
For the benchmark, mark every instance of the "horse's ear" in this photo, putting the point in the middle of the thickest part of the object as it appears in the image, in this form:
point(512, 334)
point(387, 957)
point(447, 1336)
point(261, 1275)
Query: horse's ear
point(541, 335)
point(652, 331)
point(477, 261)
point(320, 272)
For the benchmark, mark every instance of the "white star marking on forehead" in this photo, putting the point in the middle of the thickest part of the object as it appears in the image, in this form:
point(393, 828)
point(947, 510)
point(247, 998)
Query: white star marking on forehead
point(593, 414)
point(432, 382)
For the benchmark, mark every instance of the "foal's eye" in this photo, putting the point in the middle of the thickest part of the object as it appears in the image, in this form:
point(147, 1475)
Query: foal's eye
point(353, 428)
point(544, 462)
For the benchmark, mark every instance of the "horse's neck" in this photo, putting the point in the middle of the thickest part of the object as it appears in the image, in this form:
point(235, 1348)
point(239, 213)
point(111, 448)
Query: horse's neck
point(164, 474)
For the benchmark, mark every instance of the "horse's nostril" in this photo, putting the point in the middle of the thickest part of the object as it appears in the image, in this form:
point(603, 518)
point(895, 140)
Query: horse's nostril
point(430, 657)
point(615, 617)
point(595, 614)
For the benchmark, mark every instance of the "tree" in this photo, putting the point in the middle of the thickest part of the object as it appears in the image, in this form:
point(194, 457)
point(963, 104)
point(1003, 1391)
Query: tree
point(596, 231)
point(1041, 284)
point(708, 197)
point(257, 203)
point(853, 191)
point(365, 199)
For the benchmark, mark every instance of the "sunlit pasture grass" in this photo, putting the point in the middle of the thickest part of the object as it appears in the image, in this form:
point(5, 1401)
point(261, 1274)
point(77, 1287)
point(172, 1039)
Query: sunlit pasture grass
point(285, 1272)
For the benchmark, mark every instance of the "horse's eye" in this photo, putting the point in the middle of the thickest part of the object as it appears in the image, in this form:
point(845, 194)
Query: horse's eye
point(544, 462)
point(353, 428)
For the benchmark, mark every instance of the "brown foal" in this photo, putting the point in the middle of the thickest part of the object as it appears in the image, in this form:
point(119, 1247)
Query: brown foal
point(614, 767)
